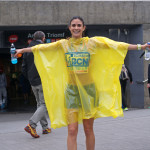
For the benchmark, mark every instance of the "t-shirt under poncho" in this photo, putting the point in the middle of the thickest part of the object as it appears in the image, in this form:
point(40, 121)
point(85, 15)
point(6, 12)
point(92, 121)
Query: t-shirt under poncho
point(80, 78)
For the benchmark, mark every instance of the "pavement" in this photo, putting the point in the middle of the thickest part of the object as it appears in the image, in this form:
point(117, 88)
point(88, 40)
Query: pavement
point(131, 132)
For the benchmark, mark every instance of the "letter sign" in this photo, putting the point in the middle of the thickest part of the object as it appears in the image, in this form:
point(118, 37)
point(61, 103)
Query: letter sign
point(13, 38)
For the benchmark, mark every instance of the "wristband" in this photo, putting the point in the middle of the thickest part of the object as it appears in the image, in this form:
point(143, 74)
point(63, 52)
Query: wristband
point(139, 46)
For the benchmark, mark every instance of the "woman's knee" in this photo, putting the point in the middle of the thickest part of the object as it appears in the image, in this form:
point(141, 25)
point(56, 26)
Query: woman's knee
point(88, 131)
point(72, 130)
point(88, 126)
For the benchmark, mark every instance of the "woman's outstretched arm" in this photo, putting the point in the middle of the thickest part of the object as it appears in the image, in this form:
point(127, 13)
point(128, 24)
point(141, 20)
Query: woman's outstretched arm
point(23, 50)
point(138, 47)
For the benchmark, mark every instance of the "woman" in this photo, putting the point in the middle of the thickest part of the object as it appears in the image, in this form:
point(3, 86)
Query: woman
point(80, 79)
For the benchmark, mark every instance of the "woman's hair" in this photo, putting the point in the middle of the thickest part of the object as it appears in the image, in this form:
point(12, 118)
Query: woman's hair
point(77, 17)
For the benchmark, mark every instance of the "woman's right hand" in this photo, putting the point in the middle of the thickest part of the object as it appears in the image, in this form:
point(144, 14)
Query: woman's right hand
point(18, 53)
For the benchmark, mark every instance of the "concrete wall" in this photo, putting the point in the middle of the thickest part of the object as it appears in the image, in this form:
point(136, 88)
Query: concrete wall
point(60, 12)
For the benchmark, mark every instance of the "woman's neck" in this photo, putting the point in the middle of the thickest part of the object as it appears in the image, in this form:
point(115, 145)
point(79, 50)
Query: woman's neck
point(76, 38)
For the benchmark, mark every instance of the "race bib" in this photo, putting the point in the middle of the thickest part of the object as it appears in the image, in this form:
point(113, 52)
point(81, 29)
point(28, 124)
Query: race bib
point(78, 61)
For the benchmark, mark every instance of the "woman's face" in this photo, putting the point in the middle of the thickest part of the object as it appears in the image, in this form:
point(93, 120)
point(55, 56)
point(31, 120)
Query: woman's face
point(76, 28)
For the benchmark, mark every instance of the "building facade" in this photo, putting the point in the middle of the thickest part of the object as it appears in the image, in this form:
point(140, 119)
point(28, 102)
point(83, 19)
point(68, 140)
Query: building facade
point(127, 21)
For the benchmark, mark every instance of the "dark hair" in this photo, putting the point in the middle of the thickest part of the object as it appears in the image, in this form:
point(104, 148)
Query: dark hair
point(38, 35)
point(77, 17)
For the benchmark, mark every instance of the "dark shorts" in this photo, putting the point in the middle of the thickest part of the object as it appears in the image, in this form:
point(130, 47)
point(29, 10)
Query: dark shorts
point(74, 96)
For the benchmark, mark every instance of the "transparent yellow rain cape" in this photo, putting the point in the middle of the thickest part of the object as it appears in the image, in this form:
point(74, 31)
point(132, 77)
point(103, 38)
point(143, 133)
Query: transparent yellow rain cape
point(80, 78)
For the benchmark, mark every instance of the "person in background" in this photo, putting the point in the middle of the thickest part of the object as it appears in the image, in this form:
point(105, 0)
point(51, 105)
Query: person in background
point(3, 90)
point(148, 84)
point(124, 77)
point(30, 72)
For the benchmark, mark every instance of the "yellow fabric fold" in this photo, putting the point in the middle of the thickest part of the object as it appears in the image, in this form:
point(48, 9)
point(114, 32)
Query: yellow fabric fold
point(80, 78)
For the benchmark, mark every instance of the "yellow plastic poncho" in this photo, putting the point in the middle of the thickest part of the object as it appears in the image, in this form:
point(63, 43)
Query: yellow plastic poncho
point(80, 78)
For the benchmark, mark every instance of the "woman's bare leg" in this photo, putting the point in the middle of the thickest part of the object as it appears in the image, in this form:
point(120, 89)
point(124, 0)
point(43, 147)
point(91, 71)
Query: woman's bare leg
point(72, 136)
point(89, 133)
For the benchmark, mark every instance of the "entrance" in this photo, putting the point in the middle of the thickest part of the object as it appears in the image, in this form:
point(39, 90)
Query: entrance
point(17, 87)
point(125, 33)
point(132, 34)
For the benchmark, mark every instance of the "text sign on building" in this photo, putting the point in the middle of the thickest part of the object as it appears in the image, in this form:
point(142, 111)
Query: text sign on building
point(50, 36)
point(23, 38)
point(13, 38)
